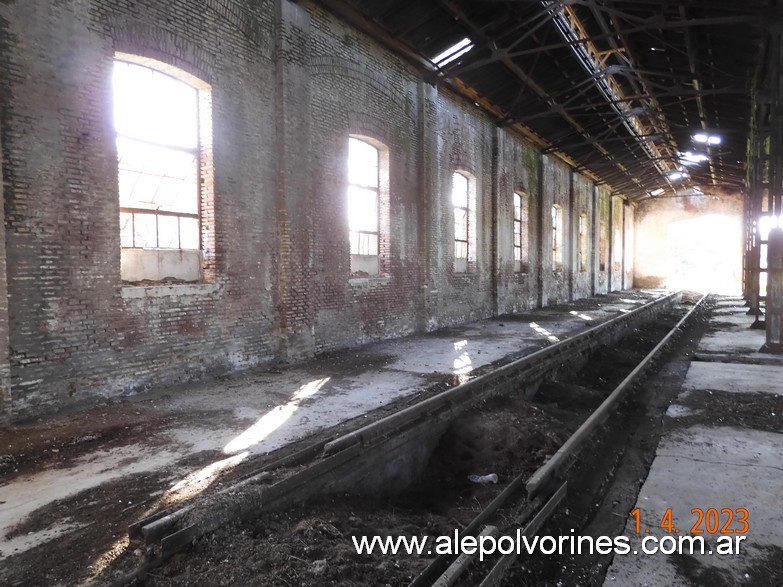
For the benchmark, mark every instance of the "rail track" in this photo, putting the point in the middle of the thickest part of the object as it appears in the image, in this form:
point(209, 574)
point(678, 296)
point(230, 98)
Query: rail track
point(403, 441)
point(542, 491)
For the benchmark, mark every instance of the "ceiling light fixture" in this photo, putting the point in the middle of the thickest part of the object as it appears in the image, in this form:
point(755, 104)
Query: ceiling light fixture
point(709, 139)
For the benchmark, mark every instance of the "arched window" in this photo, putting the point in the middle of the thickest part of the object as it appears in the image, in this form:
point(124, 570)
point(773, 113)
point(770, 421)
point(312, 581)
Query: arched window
point(521, 227)
point(367, 198)
point(463, 199)
point(583, 242)
point(557, 237)
point(160, 143)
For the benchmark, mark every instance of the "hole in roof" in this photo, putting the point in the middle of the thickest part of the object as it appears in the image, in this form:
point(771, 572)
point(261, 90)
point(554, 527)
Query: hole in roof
point(693, 158)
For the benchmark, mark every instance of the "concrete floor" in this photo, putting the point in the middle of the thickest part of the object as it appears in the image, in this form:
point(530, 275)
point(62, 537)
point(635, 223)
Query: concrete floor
point(229, 422)
point(709, 464)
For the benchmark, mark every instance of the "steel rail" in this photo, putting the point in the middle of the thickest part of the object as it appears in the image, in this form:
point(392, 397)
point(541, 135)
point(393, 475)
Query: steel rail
point(546, 485)
point(168, 532)
point(575, 441)
point(476, 389)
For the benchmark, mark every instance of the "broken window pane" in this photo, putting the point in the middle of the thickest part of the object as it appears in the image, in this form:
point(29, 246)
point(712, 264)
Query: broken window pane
point(459, 190)
point(168, 232)
point(189, 237)
point(461, 224)
point(362, 209)
point(364, 243)
point(157, 178)
point(363, 196)
point(155, 107)
point(126, 229)
point(362, 163)
point(145, 234)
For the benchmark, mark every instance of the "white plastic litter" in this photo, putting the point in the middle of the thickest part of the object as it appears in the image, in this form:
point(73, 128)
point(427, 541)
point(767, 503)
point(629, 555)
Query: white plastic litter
point(484, 479)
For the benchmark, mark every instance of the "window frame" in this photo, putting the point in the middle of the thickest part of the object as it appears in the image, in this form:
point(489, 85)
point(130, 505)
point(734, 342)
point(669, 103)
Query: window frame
point(557, 237)
point(203, 255)
point(583, 243)
point(194, 151)
point(376, 189)
point(521, 229)
point(464, 264)
point(377, 262)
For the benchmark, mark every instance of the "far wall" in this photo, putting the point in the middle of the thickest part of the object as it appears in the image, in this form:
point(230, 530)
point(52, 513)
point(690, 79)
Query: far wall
point(690, 242)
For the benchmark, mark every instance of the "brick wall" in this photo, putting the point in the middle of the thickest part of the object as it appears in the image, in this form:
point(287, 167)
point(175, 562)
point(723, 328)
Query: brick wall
point(358, 89)
point(5, 368)
point(289, 83)
point(603, 234)
point(628, 252)
point(75, 331)
point(556, 191)
point(582, 206)
point(617, 246)
point(464, 143)
point(518, 168)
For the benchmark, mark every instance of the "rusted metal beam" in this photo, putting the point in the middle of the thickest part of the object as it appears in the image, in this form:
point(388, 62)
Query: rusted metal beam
point(512, 66)
point(654, 25)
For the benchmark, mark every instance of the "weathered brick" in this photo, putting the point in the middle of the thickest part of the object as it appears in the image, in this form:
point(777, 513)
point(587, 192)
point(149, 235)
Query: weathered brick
point(289, 83)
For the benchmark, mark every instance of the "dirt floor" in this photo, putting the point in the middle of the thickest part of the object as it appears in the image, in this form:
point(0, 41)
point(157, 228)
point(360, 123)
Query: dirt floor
point(295, 547)
point(285, 548)
point(313, 544)
point(608, 485)
point(100, 515)
point(604, 485)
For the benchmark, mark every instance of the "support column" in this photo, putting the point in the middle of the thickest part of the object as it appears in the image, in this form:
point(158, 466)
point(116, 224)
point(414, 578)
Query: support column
point(754, 293)
point(494, 229)
point(572, 263)
point(623, 247)
point(610, 246)
point(774, 318)
point(540, 216)
point(429, 207)
point(763, 176)
point(774, 298)
point(5, 366)
point(294, 193)
point(594, 240)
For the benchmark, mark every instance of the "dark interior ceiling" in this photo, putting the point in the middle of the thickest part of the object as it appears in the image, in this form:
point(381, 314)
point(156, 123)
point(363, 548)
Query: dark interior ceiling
point(618, 88)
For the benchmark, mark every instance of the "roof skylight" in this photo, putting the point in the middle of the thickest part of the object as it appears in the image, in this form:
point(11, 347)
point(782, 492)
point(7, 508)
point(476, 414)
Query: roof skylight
point(453, 53)
point(693, 158)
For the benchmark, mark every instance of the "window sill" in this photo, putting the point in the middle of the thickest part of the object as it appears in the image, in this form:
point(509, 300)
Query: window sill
point(130, 292)
point(369, 280)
